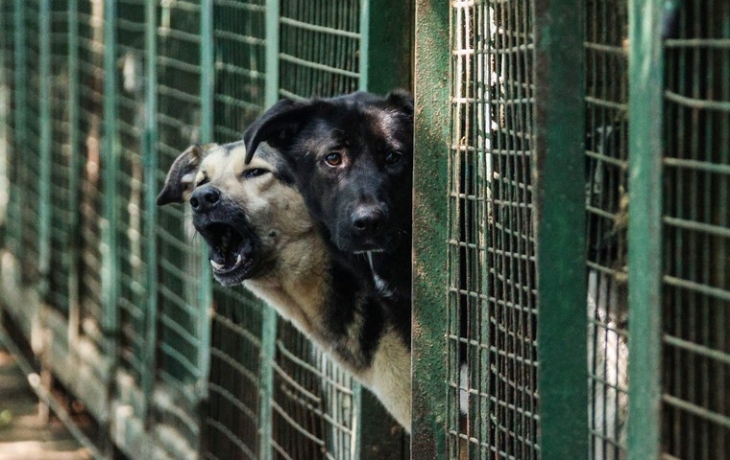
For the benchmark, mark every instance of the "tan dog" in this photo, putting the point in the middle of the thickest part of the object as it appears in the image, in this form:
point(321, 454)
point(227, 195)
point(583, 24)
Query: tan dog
point(260, 234)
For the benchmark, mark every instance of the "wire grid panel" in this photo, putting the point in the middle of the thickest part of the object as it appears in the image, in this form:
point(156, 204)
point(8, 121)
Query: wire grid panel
point(232, 422)
point(696, 227)
point(91, 197)
point(132, 294)
point(314, 405)
point(313, 401)
point(232, 419)
point(240, 63)
point(492, 394)
point(179, 269)
point(62, 207)
point(8, 152)
point(30, 162)
point(320, 44)
point(607, 219)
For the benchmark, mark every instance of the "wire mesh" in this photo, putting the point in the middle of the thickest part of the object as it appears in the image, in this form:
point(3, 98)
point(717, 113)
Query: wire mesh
point(240, 64)
point(232, 420)
point(314, 412)
point(320, 43)
point(130, 32)
point(91, 80)
point(607, 218)
point(492, 392)
point(179, 268)
point(313, 404)
point(62, 207)
point(696, 226)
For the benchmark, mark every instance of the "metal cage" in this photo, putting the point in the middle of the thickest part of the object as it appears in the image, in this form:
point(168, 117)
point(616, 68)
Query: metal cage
point(168, 364)
point(571, 224)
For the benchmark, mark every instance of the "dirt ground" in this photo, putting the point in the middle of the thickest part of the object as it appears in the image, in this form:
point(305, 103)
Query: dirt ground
point(24, 435)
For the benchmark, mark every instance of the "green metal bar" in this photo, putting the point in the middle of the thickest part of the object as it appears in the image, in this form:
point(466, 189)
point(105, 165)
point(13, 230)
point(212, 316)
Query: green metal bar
point(559, 220)
point(74, 183)
point(268, 353)
point(357, 407)
point(272, 52)
point(5, 146)
point(430, 236)
point(646, 70)
point(20, 114)
point(387, 36)
point(269, 325)
point(364, 45)
point(207, 52)
point(205, 296)
point(150, 173)
point(44, 177)
point(110, 167)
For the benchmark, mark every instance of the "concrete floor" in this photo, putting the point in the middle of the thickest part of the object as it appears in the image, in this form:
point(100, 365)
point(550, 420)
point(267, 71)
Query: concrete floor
point(24, 435)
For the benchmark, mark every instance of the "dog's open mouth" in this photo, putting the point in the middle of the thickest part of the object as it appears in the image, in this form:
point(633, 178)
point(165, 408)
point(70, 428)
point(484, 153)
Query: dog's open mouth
point(230, 252)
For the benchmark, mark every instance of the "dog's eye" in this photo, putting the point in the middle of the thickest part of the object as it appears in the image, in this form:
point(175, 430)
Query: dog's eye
point(393, 157)
point(250, 173)
point(333, 159)
point(203, 181)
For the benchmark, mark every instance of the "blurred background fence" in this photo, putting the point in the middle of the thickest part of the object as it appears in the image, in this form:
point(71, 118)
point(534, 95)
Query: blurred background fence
point(539, 126)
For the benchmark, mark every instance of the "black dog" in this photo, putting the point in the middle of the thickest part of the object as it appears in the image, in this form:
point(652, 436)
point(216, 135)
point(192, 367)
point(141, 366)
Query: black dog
point(352, 158)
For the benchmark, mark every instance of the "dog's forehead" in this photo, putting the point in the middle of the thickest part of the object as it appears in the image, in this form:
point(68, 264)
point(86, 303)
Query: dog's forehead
point(217, 159)
point(359, 124)
point(230, 159)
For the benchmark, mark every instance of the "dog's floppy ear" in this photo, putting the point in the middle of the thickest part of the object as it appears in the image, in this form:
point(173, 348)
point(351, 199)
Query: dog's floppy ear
point(179, 180)
point(401, 99)
point(278, 125)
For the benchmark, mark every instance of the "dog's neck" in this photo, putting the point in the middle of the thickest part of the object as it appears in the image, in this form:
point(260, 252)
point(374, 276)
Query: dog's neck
point(296, 286)
point(301, 289)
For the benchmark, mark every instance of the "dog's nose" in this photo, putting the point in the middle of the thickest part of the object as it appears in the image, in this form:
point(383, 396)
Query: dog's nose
point(367, 219)
point(205, 199)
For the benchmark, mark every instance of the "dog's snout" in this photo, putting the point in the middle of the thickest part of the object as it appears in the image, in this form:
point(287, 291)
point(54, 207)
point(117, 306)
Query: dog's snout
point(205, 199)
point(368, 219)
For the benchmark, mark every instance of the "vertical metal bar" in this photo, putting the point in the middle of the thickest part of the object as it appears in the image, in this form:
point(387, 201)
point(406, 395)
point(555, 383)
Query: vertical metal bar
point(269, 321)
point(430, 189)
point(44, 179)
point(558, 170)
point(5, 145)
point(272, 52)
point(205, 292)
point(74, 314)
point(646, 72)
point(386, 45)
point(207, 72)
point(20, 115)
point(356, 448)
point(110, 165)
point(268, 353)
point(150, 173)
point(364, 45)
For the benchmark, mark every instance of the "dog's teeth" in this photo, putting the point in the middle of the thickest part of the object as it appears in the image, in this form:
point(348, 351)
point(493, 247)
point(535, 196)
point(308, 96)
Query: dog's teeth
point(238, 259)
point(216, 265)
